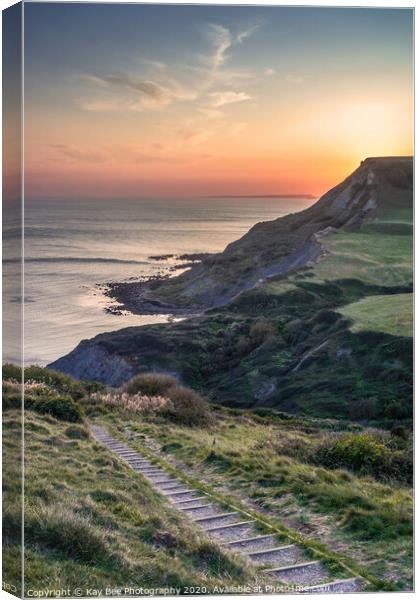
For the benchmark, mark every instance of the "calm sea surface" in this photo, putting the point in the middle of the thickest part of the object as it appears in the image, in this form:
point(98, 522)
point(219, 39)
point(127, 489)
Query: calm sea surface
point(73, 245)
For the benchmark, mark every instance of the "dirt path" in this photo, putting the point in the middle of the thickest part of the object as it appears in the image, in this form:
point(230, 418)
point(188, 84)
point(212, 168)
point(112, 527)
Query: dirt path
point(234, 529)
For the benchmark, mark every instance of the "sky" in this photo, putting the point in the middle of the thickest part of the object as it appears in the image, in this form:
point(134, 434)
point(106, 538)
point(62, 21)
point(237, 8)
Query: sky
point(169, 101)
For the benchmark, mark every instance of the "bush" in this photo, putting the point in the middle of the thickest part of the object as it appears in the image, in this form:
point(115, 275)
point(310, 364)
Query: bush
point(186, 407)
point(58, 381)
point(176, 402)
point(129, 403)
point(261, 331)
point(63, 408)
point(40, 398)
point(367, 454)
point(150, 384)
point(10, 371)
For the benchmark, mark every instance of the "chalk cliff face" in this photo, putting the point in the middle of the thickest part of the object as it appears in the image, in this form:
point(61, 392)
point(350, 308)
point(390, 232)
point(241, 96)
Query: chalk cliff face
point(305, 356)
point(276, 247)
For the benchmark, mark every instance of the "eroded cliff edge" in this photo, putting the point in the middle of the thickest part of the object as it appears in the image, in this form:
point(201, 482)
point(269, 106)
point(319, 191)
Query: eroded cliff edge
point(282, 336)
point(272, 248)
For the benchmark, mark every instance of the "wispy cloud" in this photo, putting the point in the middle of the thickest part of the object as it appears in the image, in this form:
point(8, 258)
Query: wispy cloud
point(245, 33)
point(160, 87)
point(155, 64)
point(269, 72)
point(296, 79)
point(149, 88)
point(117, 154)
point(222, 40)
point(194, 136)
point(228, 97)
point(73, 154)
point(238, 128)
point(210, 113)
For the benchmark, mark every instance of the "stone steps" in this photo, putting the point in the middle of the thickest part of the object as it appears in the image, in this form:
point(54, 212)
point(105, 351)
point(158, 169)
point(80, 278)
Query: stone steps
point(217, 520)
point(287, 563)
point(191, 502)
point(308, 573)
point(207, 510)
point(253, 543)
point(167, 485)
point(276, 557)
point(235, 530)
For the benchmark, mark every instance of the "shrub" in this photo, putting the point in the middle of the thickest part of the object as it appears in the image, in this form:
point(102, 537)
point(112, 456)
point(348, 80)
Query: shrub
point(58, 381)
point(132, 403)
point(161, 394)
point(40, 398)
point(186, 406)
point(150, 384)
point(63, 408)
point(365, 453)
point(261, 331)
point(10, 371)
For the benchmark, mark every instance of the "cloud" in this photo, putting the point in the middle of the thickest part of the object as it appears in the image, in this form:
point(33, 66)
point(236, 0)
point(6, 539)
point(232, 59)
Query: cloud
point(77, 155)
point(242, 35)
point(146, 89)
point(115, 154)
point(238, 127)
point(296, 79)
point(155, 64)
point(144, 93)
point(228, 97)
point(269, 72)
point(194, 136)
point(221, 39)
point(159, 88)
point(211, 113)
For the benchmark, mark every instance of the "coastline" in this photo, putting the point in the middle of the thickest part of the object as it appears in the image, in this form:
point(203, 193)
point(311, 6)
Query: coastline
point(132, 296)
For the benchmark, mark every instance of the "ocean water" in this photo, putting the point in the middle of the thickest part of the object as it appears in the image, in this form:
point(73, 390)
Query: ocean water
point(73, 247)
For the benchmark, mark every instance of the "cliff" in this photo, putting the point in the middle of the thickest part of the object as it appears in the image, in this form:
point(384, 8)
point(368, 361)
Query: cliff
point(276, 247)
point(303, 313)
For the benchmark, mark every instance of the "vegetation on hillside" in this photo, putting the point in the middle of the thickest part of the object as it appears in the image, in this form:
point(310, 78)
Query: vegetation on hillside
point(331, 340)
point(294, 399)
point(90, 521)
point(334, 482)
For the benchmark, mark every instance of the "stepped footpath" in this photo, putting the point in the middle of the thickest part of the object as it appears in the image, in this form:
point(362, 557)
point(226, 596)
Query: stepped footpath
point(234, 530)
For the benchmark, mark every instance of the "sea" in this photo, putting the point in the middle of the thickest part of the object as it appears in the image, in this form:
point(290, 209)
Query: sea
point(74, 247)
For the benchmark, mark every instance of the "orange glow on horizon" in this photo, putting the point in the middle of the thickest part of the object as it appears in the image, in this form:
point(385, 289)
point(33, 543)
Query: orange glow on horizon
point(239, 112)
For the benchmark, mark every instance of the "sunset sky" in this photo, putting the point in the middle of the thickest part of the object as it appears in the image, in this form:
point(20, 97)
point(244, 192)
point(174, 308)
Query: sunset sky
point(134, 101)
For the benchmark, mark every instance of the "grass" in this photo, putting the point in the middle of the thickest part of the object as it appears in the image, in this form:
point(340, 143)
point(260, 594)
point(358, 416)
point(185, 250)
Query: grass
point(374, 258)
point(390, 314)
point(333, 340)
point(92, 522)
point(264, 465)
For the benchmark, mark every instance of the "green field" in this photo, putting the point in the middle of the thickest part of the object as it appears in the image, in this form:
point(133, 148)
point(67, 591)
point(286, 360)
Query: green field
point(390, 314)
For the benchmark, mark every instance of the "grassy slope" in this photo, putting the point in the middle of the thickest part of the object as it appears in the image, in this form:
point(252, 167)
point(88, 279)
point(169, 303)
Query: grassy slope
point(322, 354)
point(92, 522)
point(262, 463)
point(391, 314)
point(315, 361)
